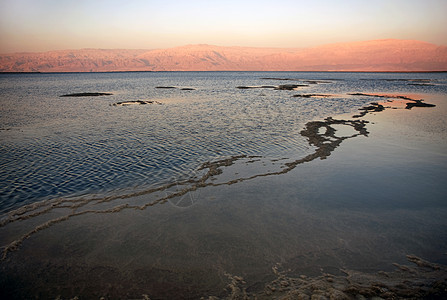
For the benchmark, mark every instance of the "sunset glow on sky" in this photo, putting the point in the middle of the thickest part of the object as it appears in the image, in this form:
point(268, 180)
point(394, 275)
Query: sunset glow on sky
point(30, 25)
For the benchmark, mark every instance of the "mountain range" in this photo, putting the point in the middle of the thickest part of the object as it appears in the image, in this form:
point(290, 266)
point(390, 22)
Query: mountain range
point(376, 55)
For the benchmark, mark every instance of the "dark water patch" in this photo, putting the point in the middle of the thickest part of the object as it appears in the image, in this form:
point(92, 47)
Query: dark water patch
point(303, 80)
point(86, 94)
point(382, 96)
point(289, 87)
point(313, 96)
point(136, 102)
point(102, 282)
point(410, 80)
point(316, 81)
point(256, 87)
point(421, 84)
point(280, 79)
point(173, 88)
point(399, 80)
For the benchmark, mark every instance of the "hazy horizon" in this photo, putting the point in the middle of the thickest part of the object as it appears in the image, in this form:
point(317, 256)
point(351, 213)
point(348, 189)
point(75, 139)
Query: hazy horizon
point(220, 46)
point(39, 26)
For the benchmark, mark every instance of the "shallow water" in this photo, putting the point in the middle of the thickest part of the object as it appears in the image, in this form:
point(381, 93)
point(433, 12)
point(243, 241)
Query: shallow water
point(113, 179)
point(52, 146)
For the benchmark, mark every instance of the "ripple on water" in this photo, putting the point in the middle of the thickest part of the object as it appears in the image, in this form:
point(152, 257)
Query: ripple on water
point(67, 146)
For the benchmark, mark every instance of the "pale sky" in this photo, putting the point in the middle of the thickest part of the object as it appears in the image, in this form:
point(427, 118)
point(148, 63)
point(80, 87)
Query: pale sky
point(42, 25)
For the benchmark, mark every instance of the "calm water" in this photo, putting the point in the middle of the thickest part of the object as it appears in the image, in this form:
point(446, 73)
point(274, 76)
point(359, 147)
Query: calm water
point(53, 146)
point(107, 231)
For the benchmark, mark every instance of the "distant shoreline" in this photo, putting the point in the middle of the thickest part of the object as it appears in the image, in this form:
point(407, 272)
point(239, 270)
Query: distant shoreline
point(236, 71)
point(389, 55)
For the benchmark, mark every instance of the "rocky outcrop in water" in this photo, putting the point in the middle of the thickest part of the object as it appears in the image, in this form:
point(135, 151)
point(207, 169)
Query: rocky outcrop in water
point(375, 107)
point(418, 103)
point(312, 96)
point(86, 94)
point(173, 87)
point(136, 102)
point(289, 87)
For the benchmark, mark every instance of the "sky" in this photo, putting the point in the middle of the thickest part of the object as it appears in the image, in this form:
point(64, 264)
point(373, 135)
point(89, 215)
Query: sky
point(43, 25)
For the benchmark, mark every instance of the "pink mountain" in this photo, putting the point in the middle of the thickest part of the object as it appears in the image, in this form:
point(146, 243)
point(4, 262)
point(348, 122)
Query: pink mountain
point(378, 55)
